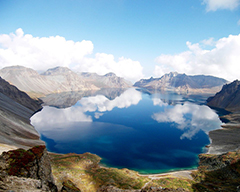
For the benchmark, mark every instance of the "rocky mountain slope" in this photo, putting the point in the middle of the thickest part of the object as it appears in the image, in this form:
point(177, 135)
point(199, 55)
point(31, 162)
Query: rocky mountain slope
point(228, 98)
point(110, 80)
point(67, 80)
point(28, 80)
point(183, 83)
point(58, 80)
point(227, 138)
point(16, 108)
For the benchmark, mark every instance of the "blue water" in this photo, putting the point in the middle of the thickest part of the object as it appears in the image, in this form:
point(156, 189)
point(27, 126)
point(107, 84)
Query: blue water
point(149, 133)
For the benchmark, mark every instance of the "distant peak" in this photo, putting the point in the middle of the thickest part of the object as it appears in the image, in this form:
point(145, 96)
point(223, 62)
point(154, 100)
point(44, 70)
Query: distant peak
point(59, 68)
point(111, 74)
point(16, 67)
point(173, 74)
point(56, 70)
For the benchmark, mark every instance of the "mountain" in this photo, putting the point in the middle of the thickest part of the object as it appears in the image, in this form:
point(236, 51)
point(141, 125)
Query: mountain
point(110, 80)
point(28, 80)
point(58, 80)
point(228, 98)
point(183, 83)
point(16, 108)
point(55, 80)
point(67, 80)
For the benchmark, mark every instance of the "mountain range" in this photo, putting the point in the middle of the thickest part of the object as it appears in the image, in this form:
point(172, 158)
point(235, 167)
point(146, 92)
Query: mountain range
point(57, 80)
point(183, 83)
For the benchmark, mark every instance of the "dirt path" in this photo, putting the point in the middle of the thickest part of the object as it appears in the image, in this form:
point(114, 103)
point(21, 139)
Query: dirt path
point(180, 174)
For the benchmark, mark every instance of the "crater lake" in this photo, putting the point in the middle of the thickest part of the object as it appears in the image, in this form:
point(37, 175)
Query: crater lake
point(146, 131)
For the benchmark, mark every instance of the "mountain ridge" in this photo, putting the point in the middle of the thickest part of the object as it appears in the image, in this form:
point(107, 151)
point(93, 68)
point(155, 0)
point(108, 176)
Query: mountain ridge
point(228, 98)
point(58, 80)
point(174, 81)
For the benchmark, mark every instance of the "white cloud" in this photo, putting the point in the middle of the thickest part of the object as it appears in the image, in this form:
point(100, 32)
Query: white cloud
point(213, 5)
point(221, 61)
point(48, 52)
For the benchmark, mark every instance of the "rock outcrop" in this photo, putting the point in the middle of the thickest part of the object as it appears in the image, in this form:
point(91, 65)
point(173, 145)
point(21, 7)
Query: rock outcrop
point(69, 186)
point(29, 170)
point(228, 98)
point(218, 172)
point(183, 83)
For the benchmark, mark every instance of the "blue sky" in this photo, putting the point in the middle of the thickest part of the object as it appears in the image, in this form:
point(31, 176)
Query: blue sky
point(134, 39)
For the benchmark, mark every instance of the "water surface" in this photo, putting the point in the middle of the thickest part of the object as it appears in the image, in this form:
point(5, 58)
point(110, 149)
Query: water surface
point(150, 133)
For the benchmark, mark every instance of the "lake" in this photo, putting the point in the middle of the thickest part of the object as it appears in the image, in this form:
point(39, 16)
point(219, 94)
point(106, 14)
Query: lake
point(150, 132)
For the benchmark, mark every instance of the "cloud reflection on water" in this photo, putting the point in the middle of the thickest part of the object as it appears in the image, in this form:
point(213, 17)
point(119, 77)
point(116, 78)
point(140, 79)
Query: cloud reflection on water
point(98, 104)
point(190, 118)
point(102, 103)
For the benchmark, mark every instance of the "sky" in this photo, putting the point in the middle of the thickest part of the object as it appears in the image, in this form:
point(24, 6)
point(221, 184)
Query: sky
point(135, 39)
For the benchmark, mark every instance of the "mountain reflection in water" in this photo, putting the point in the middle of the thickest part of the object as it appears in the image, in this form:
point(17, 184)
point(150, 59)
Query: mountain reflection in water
point(150, 133)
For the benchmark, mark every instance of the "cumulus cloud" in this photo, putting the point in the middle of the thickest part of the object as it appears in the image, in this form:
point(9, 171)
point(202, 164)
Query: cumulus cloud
point(222, 60)
point(213, 5)
point(48, 52)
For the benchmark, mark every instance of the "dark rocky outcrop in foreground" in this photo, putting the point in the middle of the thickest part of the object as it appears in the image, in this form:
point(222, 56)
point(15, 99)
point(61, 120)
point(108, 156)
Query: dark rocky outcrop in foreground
point(183, 83)
point(228, 98)
point(218, 172)
point(29, 170)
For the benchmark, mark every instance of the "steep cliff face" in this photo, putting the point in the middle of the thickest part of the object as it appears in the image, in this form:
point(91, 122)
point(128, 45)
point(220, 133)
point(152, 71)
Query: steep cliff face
point(228, 98)
point(183, 83)
point(20, 97)
point(34, 164)
point(16, 108)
